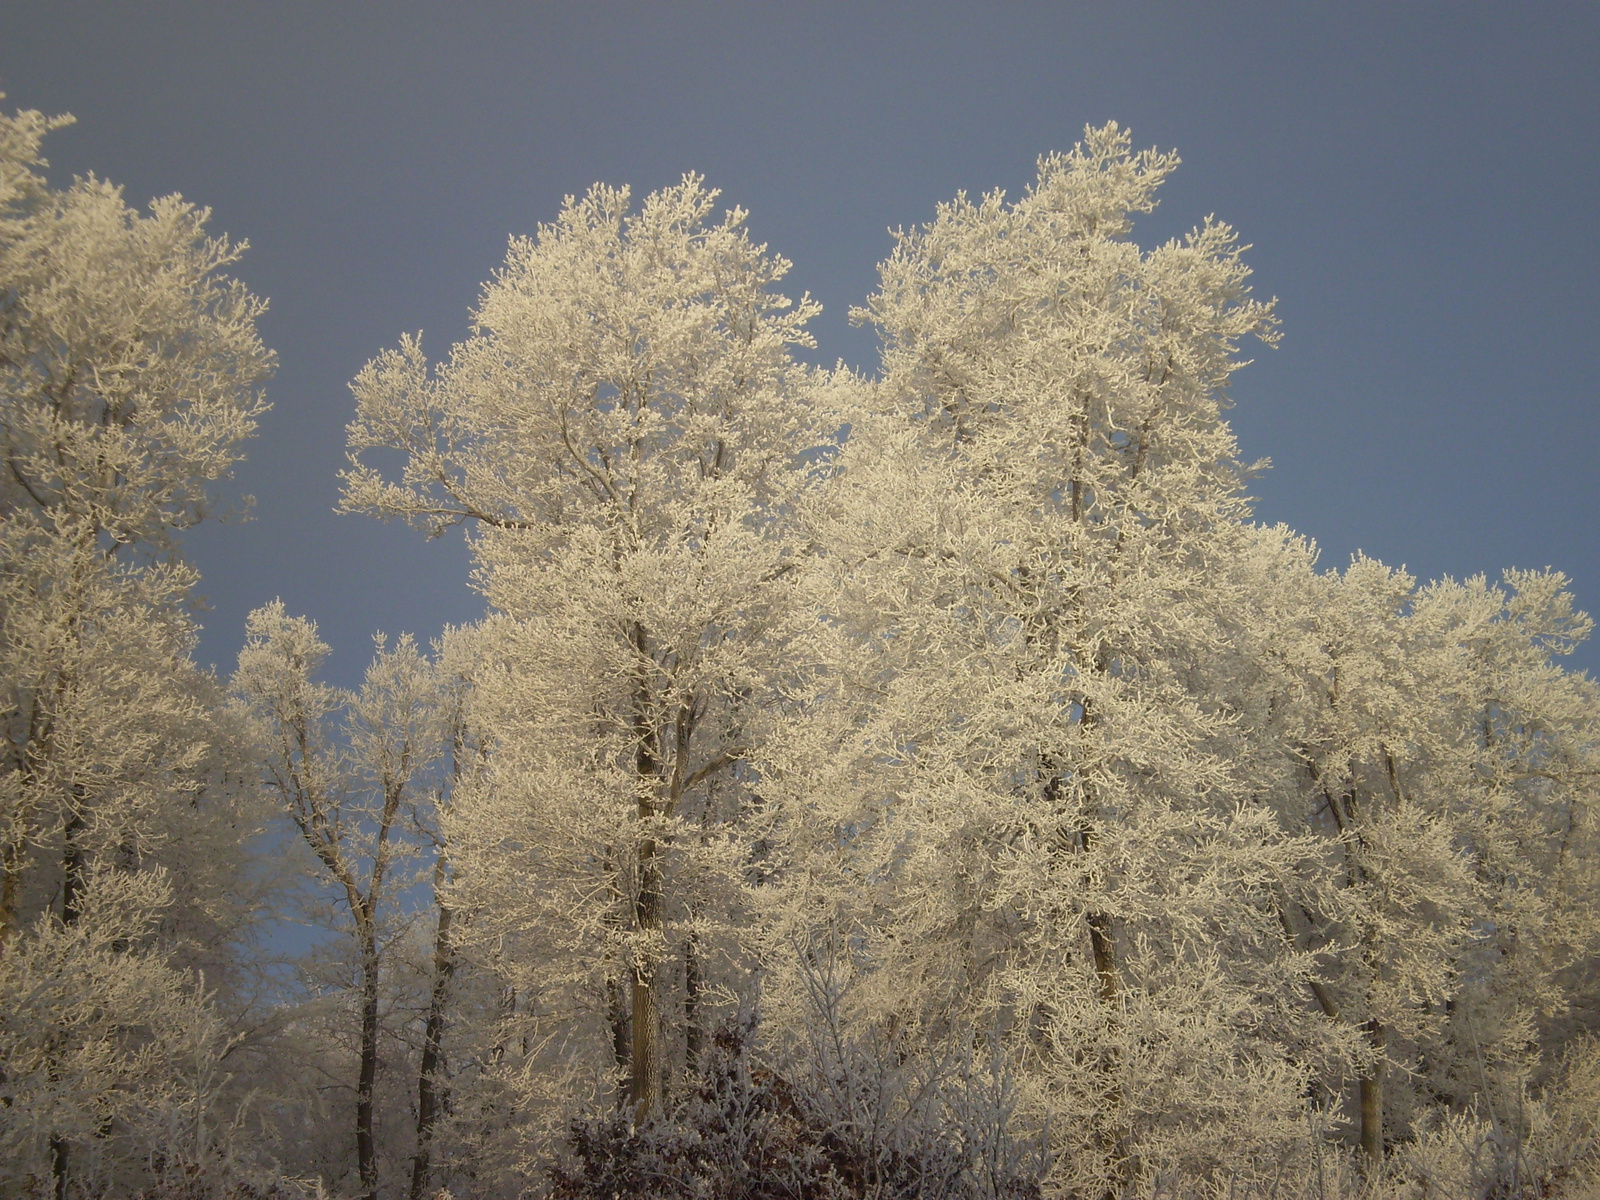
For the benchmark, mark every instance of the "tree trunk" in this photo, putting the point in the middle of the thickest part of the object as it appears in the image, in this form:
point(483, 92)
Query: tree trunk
point(12, 861)
point(71, 913)
point(72, 872)
point(58, 1167)
point(645, 1087)
point(1371, 1090)
point(1105, 956)
point(1078, 838)
point(507, 1011)
point(1113, 1135)
point(693, 1036)
point(621, 1039)
point(366, 1150)
point(432, 1094)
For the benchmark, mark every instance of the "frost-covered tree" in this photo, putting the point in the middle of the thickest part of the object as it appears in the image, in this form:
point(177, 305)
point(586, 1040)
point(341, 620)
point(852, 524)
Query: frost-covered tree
point(1036, 814)
point(107, 1047)
point(1099, 766)
point(1444, 764)
point(1005, 706)
point(130, 371)
point(356, 774)
point(623, 427)
point(928, 784)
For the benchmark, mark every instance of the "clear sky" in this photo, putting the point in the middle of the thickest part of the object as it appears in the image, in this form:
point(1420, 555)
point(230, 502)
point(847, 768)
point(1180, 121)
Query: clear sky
point(1421, 183)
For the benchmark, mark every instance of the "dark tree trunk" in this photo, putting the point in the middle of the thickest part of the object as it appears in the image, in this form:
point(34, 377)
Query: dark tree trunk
point(71, 914)
point(366, 1147)
point(58, 1167)
point(1371, 1098)
point(72, 872)
point(693, 1036)
point(1105, 955)
point(621, 1046)
point(645, 1086)
point(432, 1093)
point(11, 864)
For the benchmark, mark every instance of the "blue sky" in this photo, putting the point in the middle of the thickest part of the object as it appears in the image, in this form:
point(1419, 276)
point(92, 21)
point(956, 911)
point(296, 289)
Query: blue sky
point(1421, 183)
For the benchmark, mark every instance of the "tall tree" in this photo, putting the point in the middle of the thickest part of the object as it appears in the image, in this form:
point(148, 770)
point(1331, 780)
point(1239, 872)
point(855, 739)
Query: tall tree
point(130, 372)
point(1028, 541)
point(623, 427)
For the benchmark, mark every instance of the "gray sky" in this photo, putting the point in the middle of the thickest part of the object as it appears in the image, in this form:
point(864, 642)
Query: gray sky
point(1420, 183)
